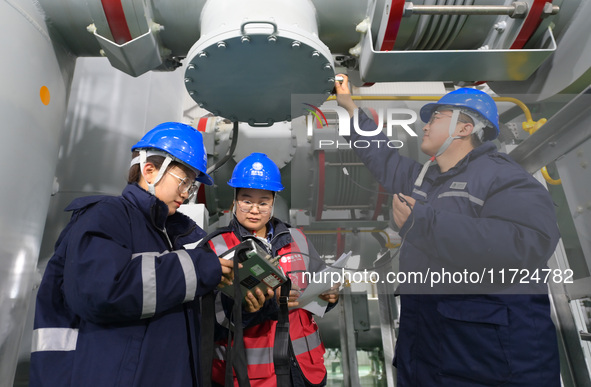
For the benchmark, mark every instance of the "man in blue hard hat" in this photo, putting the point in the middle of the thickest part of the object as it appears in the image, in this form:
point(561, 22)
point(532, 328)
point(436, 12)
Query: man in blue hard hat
point(475, 214)
point(117, 303)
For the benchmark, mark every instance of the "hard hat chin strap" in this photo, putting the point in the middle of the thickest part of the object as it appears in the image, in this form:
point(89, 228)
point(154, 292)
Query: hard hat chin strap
point(479, 130)
point(143, 157)
point(452, 128)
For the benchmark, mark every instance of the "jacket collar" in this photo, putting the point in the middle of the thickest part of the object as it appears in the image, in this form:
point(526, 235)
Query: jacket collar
point(156, 213)
point(154, 209)
point(487, 148)
point(280, 237)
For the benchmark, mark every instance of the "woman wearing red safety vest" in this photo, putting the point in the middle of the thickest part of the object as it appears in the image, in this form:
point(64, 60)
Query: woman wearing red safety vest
point(256, 179)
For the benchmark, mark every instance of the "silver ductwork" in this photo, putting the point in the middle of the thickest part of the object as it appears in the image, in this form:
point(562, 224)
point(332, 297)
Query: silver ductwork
point(36, 80)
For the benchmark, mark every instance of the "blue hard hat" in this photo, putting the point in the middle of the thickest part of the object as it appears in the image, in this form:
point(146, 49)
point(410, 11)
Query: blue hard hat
point(256, 171)
point(183, 142)
point(474, 101)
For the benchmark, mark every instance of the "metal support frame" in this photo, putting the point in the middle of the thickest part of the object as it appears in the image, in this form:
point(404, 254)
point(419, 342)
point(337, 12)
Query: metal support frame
point(561, 134)
point(349, 362)
point(573, 351)
point(388, 317)
point(413, 65)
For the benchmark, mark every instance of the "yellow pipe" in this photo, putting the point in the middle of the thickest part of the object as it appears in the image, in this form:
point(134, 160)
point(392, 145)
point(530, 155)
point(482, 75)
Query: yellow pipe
point(517, 102)
point(531, 129)
point(548, 178)
point(389, 244)
point(529, 125)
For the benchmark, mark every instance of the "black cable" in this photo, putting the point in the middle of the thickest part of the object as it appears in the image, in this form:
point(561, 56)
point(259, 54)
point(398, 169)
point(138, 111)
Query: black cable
point(224, 159)
point(236, 350)
point(230, 152)
point(346, 173)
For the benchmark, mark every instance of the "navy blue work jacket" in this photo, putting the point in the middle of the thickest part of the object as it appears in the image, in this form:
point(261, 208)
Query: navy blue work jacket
point(116, 304)
point(484, 213)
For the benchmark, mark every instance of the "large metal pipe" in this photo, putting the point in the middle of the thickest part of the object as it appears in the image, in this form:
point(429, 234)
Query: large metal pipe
point(36, 77)
point(108, 111)
point(516, 10)
point(262, 47)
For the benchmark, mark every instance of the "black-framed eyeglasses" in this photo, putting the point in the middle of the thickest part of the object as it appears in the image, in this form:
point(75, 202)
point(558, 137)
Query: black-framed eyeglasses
point(247, 206)
point(186, 185)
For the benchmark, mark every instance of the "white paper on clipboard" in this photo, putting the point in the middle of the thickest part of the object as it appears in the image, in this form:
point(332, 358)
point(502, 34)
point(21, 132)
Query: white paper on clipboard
point(309, 298)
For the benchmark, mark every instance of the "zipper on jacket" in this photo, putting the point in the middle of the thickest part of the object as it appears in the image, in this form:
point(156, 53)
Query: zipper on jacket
point(153, 216)
point(191, 229)
point(167, 238)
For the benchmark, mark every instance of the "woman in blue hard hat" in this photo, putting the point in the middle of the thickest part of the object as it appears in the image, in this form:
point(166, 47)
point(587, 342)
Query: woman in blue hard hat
point(116, 303)
point(256, 179)
point(467, 216)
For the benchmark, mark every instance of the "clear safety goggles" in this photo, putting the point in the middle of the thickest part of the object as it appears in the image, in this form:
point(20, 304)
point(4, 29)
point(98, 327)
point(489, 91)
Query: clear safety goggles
point(436, 115)
point(186, 185)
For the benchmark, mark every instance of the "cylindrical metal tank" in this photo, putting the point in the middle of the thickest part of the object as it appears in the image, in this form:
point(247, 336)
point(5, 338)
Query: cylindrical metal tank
point(252, 57)
point(36, 77)
point(108, 111)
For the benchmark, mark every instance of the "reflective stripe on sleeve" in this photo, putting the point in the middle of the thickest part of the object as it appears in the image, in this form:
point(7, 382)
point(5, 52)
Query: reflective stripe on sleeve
point(190, 275)
point(419, 192)
point(462, 194)
point(148, 283)
point(306, 343)
point(54, 339)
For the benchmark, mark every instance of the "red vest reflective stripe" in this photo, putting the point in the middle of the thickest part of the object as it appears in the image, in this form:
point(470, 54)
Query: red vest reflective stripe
point(292, 263)
point(259, 340)
point(223, 242)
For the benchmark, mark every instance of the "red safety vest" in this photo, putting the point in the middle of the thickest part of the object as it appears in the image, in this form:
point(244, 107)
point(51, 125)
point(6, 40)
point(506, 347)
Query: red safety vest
point(259, 340)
